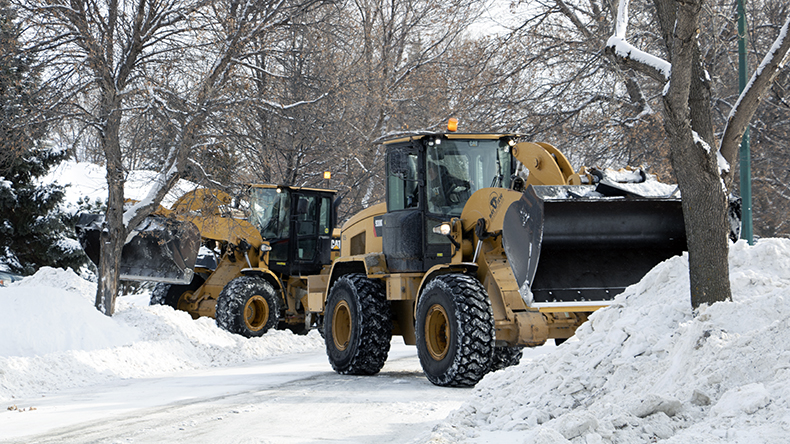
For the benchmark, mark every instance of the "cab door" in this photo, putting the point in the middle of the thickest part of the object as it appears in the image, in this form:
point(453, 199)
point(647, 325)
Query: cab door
point(312, 232)
point(402, 226)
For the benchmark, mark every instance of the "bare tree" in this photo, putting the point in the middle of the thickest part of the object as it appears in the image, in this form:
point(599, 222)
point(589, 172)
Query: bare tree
point(343, 78)
point(702, 166)
point(284, 135)
point(550, 78)
point(390, 83)
point(172, 60)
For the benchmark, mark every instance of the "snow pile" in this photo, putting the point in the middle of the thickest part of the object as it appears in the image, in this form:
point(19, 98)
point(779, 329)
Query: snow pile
point(40, 319)
point(647, 369)
point(52, 338)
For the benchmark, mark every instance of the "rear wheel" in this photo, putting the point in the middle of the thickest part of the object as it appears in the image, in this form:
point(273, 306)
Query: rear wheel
point(455, 331)
point(505, 357)
point(357, 325)
point(248, 306)
point(168, 294)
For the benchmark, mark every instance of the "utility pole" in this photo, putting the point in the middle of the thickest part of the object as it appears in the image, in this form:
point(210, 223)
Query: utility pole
point(746, 160)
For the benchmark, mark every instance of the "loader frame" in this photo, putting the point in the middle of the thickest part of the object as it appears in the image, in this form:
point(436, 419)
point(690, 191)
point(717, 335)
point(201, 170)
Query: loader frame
point(252, 270)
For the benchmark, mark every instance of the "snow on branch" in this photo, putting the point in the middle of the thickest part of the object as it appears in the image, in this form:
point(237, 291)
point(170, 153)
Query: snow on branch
point(778, 50)
point(295, 104)
point(632, 56)
point(752, 94)
point(361, 164)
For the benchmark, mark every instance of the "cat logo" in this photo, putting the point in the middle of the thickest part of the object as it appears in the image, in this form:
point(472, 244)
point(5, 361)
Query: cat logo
point(494, 200)
point(335, 244)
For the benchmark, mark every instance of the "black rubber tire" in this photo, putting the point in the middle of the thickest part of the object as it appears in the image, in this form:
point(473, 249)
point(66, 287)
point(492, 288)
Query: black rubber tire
point(505, 357)
point(319, 325)
point(248, 306)
point(169, 294)
point(357, 325)
point(455, 331)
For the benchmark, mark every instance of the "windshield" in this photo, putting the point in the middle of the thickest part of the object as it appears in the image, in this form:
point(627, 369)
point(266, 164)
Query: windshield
point(269, 212)
point(457, 168)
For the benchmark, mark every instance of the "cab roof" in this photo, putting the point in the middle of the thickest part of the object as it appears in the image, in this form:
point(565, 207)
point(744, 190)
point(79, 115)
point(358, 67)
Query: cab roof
point(288, 187)
point(417, 135)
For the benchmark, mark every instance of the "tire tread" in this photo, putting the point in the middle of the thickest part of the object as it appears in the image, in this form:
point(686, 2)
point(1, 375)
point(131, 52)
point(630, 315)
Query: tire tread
point(232, 298)
point(476, 335)
point(375, 332)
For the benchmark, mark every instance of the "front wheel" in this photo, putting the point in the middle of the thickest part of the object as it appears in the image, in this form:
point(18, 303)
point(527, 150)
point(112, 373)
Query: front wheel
point(455, 331)
point(357, 325)
point(248, 306)
point(171, 295)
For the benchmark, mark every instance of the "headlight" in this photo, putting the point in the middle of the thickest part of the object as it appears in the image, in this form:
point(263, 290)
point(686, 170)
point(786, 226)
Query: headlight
point(266, 247)
point(444, 228)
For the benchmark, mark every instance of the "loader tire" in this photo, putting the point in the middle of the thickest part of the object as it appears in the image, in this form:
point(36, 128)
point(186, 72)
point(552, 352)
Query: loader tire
point(168, 294)
point(455, 331)
point(357, 325)
point(505, 357)
point(248, 306)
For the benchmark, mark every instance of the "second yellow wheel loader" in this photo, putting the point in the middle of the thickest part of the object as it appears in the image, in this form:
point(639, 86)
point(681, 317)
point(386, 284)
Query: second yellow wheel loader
point(486, 244)
point(246, 268)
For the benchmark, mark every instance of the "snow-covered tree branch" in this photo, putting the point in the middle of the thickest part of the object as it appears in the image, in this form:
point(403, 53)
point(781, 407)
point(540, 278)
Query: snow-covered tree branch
point(759, 84)
point(629, 55)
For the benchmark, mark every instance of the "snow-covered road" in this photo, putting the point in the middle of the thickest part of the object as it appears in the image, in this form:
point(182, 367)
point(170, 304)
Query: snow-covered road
point(286, 399)
point(646, 369)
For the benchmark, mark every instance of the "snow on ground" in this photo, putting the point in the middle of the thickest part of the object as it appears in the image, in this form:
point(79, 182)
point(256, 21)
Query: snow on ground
point(52, 338)
point(648, 369)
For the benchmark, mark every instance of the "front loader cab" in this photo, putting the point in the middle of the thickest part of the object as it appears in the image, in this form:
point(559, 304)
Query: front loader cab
point(429, 179)
point(297, 223)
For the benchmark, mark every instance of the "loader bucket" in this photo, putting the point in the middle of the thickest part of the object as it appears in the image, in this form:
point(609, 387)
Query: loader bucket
point(573, 250)
point(162, 250)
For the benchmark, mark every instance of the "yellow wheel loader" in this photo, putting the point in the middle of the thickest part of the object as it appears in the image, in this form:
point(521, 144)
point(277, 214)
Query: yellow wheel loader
point(486, 244)
point(245, 268)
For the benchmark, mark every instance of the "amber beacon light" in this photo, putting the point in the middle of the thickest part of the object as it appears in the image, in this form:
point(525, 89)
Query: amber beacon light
point(452, 125)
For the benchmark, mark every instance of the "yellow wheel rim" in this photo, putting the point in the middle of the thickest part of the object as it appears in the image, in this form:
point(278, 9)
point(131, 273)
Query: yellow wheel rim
point(256, 313)
point(341, 325)
point(183, 300)
point(437, 332)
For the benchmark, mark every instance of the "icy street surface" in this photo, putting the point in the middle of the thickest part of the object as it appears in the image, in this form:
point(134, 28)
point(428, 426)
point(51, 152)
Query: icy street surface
point(293, 398)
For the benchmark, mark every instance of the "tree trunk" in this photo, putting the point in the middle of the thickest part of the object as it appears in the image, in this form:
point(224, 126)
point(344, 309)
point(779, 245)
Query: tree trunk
point(114, 234)
point(705, 215)
point(694, 160)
